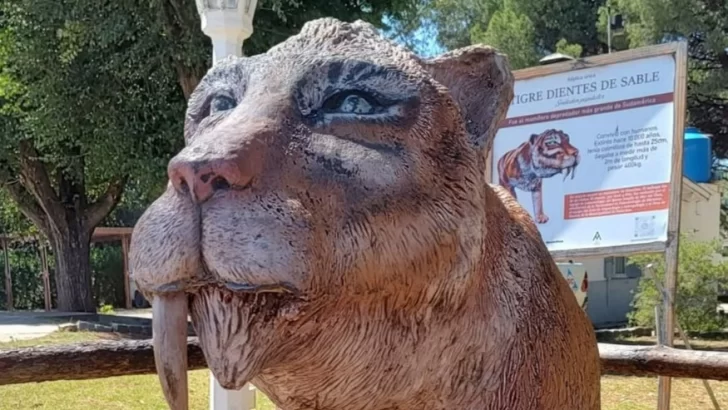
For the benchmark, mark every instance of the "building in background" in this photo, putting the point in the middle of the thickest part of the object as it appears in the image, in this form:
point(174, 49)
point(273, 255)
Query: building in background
point(613, 281)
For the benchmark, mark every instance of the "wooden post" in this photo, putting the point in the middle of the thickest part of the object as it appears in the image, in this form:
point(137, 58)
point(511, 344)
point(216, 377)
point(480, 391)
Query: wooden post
point(104, 359)
point(9, 305)
point(222, 399)
point(125, 257)
point(673, 222)
point(708, 389)
point(659, 328)
point(45, 274)
point(660, 333)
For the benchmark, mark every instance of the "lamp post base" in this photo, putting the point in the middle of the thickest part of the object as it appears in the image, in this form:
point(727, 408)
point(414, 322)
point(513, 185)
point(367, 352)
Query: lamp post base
point(221, 399)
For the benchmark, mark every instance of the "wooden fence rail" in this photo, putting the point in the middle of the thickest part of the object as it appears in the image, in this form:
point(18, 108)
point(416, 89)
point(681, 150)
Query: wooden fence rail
point(122, 358)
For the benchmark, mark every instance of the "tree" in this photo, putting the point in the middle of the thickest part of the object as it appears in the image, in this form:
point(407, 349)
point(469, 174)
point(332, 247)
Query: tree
point(511, 33)
point(87, 106)
point(463, 22)
point(573, 50)
point(456, 18)
point(700, 272)
point(704, 24)
point(92, 100)
point(571, 20)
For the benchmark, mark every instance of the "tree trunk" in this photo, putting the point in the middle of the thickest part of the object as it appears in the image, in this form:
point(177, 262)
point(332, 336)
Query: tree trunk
point(73, 270)
point(64, 215)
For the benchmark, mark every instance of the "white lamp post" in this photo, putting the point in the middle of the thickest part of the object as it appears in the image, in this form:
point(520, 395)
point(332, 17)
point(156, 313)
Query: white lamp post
point(228, 23)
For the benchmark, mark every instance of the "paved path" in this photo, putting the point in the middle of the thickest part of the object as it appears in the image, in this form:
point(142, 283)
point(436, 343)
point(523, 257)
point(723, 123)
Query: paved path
point(144, 313)
point(29, 325)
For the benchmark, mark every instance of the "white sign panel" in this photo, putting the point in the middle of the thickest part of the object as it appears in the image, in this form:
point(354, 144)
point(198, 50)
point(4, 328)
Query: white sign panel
point(588, 153)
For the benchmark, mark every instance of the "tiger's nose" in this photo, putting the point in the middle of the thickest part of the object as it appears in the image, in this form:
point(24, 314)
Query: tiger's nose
point(201, 175)
point(202, 178)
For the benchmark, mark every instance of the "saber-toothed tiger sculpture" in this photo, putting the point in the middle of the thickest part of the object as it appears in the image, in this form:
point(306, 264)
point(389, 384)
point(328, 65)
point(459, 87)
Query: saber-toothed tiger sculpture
point(329, 228)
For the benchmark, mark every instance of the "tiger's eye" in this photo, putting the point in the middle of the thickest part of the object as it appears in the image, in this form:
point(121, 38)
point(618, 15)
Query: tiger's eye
point(221, 103)
point(351, 102)
point(354, 104)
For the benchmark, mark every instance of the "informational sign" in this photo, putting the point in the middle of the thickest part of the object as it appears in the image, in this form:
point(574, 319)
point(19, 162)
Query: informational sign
point(589, 152)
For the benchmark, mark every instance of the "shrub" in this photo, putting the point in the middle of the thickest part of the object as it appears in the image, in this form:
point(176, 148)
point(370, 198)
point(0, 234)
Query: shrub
point(701, 273)
point(107, 275)
point(107, 267)
point(106, 309)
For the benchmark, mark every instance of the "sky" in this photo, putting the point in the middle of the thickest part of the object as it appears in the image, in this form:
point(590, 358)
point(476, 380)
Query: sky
point(425, 38)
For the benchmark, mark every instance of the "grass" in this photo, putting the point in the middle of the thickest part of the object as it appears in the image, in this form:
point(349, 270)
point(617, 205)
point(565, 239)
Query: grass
point(143, 392)
point(58, 338)
point(117, 393)
point(640, 393)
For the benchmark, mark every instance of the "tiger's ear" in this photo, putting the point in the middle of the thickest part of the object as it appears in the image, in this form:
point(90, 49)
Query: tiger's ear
point(480, 81)
point(532, 139)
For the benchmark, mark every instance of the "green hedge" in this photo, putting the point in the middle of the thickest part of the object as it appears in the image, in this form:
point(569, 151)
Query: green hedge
point(107, 276)
point(702, 276)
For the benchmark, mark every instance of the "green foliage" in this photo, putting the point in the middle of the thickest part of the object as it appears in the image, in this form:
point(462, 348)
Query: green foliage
point(511, 33)
point(95, 103)
point(456, 18)
point(106, 272)
point(704, 23)
point(104, 99)
point(620, 41)
point(27, 282)
point(554, 20)
point(463, 22)
point(107, 267)
point(106, 309)
point(12, 220)
point(700, 273)
point(564, 47)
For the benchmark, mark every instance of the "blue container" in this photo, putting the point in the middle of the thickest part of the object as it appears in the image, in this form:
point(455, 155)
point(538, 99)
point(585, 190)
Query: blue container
point(697, 155)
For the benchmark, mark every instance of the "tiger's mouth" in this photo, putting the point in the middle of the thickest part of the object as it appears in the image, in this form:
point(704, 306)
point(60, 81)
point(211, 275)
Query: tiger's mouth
point(571, 169)
point(236, 328)
point(236, 324)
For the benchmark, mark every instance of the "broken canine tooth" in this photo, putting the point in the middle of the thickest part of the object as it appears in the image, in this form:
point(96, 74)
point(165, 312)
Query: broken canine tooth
point(169, 334)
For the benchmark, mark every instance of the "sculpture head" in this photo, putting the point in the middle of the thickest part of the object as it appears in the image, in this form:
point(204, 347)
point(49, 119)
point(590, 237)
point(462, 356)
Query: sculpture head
point(336, 170)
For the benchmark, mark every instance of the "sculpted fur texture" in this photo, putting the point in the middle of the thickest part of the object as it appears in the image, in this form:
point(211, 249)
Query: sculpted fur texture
point(542, 156)
point(330, 225)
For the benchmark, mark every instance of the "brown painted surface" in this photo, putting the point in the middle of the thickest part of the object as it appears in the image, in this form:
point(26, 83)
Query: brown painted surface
point(330, 222)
